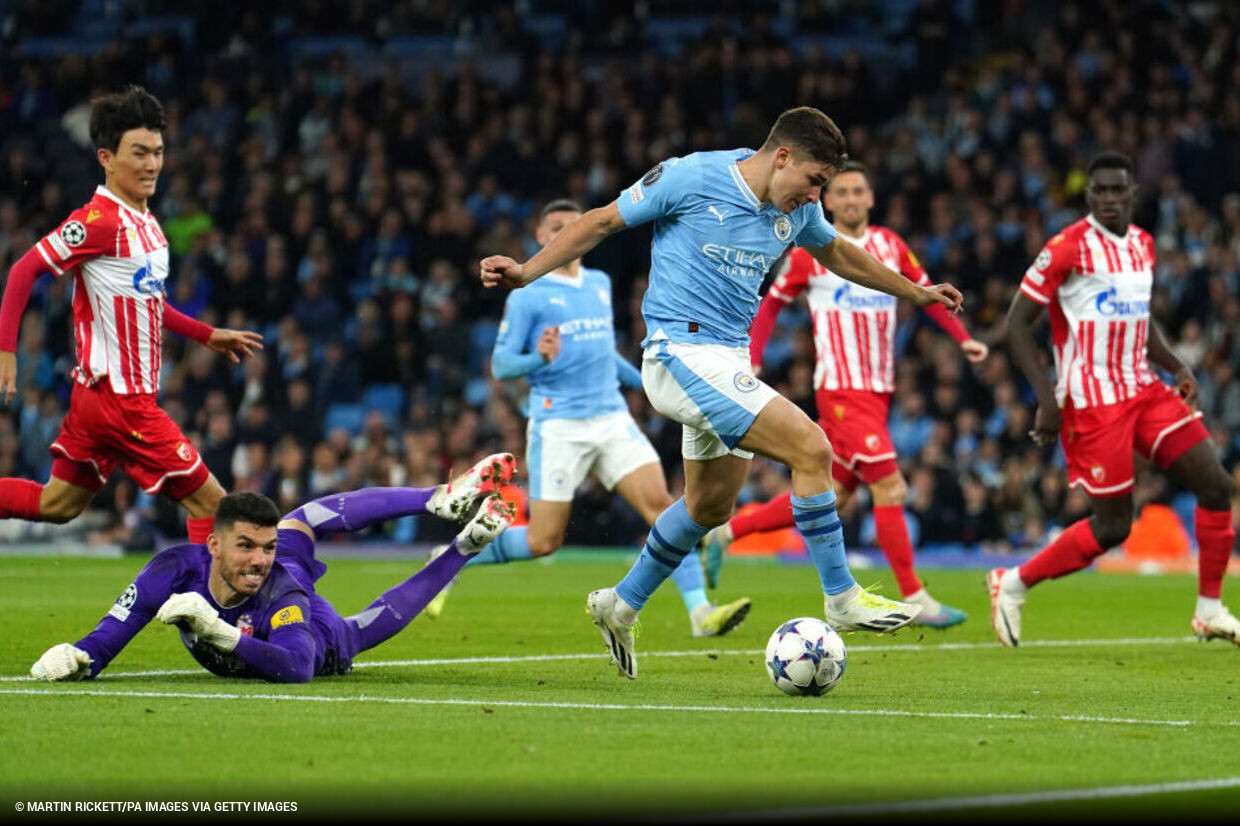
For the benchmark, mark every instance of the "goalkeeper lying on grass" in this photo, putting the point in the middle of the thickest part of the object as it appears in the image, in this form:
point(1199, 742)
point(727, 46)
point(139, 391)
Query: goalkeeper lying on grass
point(245, 603)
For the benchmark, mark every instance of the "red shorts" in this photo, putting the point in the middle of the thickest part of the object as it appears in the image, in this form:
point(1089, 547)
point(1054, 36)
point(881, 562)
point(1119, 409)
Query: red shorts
point(1098, 441)
point(856, 423)
point(103, 430)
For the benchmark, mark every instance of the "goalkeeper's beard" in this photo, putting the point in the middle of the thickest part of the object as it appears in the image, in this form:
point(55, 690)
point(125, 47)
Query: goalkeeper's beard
point(246, 580)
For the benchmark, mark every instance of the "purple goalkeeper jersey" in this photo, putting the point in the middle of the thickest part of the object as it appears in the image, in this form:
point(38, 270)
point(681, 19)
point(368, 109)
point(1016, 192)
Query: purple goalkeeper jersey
point(287, 630)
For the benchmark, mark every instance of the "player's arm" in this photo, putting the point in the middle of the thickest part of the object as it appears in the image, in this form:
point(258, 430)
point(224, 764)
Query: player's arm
point(859, 266)
point(1021, 318)
point(231, 343)
point(509, 359)
point(21, 280)
point(1160, 353)
point(792, 280)
point(572, 242)
point(134, 608)
point(628, 375)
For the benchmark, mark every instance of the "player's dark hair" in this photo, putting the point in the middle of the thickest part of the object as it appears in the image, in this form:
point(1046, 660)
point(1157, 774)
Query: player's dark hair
point(809, 131)
point(854, 166)
point(1111, 160)
point(560, 205)
point(244, 506)
point(111, 116)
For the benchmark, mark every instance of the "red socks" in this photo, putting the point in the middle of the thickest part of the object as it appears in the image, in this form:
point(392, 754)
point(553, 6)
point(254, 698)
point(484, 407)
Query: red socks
point(1075, 548)
point(19, 499)
point(772, 516)
point(1215, 540)
point(892, 532)
point(200, 529)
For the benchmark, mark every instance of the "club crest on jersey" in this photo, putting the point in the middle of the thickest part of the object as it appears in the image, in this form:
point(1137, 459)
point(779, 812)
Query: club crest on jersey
point(245, 624)
point(1098, 472)
point(745, 382)
point(871, 441)
point(73, 233)
point(559, 478)
point(184, 451)
point(783, 228)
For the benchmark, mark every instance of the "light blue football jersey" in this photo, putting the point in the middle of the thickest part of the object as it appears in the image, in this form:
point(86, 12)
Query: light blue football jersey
point(713, 244)
point(581, 381)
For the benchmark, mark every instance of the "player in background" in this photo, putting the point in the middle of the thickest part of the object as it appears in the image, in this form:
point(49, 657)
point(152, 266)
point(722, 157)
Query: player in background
point(117, 256)
point(854, 338)
point(721, 221)
point(1096, 278)
point(245, 602)
point(560, 335)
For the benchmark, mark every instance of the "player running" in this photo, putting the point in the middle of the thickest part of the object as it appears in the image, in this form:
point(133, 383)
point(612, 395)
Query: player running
point(721, 221)
point(117, 255)
point(245, 602)
point(854, 337)
point(1096, 277)
point(560, 335)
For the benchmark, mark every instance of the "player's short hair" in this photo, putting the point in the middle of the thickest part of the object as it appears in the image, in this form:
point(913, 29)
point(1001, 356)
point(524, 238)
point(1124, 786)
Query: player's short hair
point(560, 205)
point(854, 166)
point(244, 506)
point(1111, 160)
point(809, 131)
point(111, 116)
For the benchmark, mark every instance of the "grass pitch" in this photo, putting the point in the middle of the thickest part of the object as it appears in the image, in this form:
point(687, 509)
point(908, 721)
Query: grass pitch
point(506, 707)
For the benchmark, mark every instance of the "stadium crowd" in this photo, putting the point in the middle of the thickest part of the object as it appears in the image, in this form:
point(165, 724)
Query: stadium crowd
point(332, 180)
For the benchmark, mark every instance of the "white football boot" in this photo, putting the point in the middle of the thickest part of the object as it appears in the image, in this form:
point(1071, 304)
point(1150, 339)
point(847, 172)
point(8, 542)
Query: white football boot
point(858, 610)
point(1220, 625)
point(454, 500)
point(616, 621)
point(1005, 609)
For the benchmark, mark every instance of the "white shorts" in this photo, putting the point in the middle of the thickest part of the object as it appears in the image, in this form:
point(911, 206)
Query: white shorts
point(710, 389)
point(561, 452)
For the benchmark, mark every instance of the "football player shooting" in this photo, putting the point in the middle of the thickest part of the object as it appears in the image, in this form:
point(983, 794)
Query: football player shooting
point(117, 256)
point(245, 603)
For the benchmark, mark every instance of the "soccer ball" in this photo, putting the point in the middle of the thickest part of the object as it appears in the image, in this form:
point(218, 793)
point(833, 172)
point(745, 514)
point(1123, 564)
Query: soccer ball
point(805, 657)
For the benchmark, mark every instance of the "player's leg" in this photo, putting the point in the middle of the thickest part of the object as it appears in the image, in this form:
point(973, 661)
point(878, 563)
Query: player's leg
point(1199, 470)
point(58, 501)
point(200, 504)
point(395, 608)
point(784, 433)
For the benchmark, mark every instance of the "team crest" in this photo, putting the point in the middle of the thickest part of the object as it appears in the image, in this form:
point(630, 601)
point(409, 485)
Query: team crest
point(745, 382)
point(1098, 472)
point(1043, 260)
point(185, 452)
point(871, 441)
point(559, 478)
point(73, 233)
point(783, 228)
point(245, 624)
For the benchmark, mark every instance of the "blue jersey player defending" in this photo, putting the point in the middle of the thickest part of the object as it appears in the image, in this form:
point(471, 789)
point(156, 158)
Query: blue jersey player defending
point(721, 219)
point(560, 334)
point(245, 602)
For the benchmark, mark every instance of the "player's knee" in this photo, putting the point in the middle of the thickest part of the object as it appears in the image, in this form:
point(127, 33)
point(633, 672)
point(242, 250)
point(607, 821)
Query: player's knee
point(813, 450)
point(1216, 491)
point(544, 545)
point(890, 490)
point(709, 515)
point(1111, 532)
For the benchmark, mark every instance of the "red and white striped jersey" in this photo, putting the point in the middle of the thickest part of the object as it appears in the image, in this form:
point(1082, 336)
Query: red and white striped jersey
point(854, 326)
point(1097, 285)
point(119, 260)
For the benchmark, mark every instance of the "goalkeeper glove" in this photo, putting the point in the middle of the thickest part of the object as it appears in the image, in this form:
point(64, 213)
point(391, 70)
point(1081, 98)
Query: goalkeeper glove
point(192, 609)
point(61, 662)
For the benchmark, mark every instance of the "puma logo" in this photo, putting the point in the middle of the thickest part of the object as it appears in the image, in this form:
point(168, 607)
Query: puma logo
point(720, 215)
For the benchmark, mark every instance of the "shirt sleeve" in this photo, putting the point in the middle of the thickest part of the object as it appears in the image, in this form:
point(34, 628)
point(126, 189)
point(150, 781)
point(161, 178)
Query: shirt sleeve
point(817, 231)
point(1049, 270)
point(508, 358)
point(659, 192)
point(134, 608)
point(629, 375)
point(84, 235)
point(22, 276)
point(181, 324)
point(288, 653)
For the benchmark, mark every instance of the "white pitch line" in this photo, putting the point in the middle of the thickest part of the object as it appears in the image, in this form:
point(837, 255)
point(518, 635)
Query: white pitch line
point(428, 701)
point(938, 804)
point(531, 658)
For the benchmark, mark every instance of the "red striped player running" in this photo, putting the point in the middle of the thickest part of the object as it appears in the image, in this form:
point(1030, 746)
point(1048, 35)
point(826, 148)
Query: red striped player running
point(854, 337)
point(117, 256)
point(1096, 277)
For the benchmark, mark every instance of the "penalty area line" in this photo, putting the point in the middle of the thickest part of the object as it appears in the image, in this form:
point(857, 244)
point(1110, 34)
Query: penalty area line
point(528, 704)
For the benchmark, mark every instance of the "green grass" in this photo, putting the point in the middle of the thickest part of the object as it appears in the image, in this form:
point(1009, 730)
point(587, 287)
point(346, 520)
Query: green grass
point(908, 722)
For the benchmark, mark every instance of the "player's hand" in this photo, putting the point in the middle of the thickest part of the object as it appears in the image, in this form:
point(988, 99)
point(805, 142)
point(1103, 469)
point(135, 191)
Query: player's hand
point(8, 376)
point(502, 271)
point(549, 343)
point(61, 662)
point(234, 343)
point(191, 609)
point(944, 294)
point(1047, 422)
point(974, 350)
point(1186, 384)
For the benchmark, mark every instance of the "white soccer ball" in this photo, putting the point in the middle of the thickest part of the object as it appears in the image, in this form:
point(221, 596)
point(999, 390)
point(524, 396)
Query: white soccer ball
point(805, 657)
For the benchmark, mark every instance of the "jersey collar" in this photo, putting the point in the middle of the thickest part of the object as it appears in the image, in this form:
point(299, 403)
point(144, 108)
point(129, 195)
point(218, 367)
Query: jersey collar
point(745, 191)
point(1093, 222)
point(566, 280)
